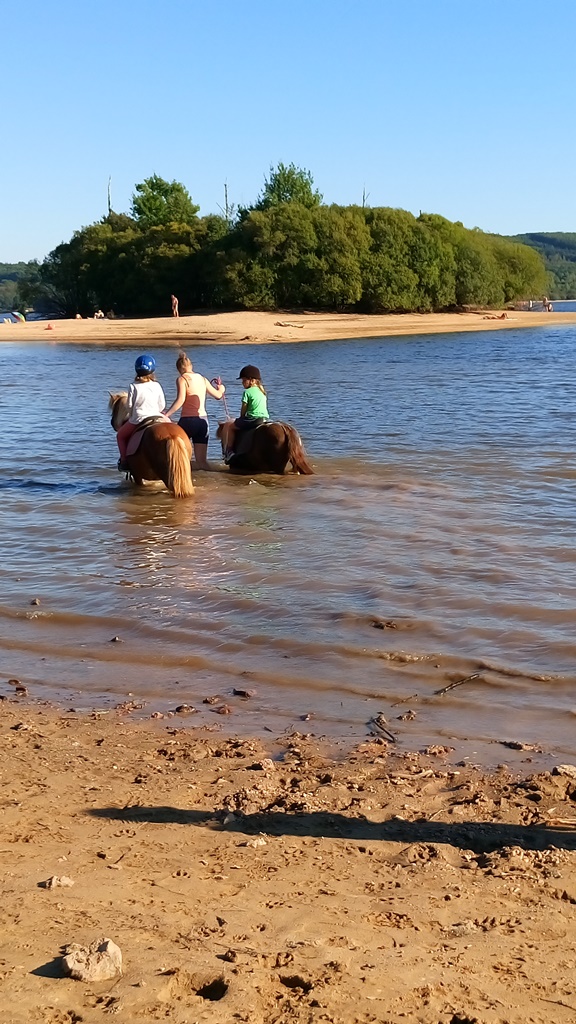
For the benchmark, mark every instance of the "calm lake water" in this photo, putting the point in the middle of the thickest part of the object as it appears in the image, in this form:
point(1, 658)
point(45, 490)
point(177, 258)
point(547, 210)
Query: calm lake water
point(443, 508)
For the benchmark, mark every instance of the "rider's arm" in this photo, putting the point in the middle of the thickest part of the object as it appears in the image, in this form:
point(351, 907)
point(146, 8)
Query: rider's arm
point(131, 397)
point(180, 396)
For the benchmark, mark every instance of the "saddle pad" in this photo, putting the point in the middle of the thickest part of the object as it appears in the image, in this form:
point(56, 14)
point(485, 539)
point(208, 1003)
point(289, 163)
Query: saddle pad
point(136, 437)
point(134, 442)
point(244, 438)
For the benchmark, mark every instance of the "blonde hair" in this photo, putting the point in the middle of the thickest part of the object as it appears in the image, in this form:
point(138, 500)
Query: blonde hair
point(181, 362)
point(256, 382)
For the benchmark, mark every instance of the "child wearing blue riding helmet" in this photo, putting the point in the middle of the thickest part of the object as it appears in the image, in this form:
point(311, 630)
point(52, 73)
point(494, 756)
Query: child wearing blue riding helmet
point(145, 398)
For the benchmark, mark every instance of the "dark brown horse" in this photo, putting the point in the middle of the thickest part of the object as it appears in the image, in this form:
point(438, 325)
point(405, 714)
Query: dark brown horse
point(164, 453)
point(267, 449)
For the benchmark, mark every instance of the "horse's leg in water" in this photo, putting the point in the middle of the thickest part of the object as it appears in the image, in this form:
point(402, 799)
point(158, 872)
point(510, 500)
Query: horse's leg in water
point(139, 469)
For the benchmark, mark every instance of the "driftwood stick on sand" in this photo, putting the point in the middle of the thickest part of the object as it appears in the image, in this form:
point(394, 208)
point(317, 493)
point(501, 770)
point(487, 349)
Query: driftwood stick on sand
point(379, 722)
point(458, 682)
point(405, 700)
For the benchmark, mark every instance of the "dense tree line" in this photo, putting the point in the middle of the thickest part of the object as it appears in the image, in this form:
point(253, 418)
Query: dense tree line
point(10, 276)
point(287, 250)
point(558, 250)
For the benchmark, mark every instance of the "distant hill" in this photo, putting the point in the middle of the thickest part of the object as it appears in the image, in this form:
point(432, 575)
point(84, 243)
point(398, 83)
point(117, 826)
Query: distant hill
point(558, 250)
point(10, 274)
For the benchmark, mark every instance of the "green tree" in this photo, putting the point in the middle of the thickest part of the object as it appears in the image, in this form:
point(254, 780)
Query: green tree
point(293, 255)
point(389, 284)
point(11, 275)
point(35, 292)
point(288, 251)
point(206, 283)
point(288, 184)
point(521, 270)
point(334, 279)
point(118, 266)
point(156, 202)
point(478, 281)
point(558, 250)
point(269, 253)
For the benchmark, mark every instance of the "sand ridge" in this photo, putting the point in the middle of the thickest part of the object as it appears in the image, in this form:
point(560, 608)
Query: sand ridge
point(260, 328)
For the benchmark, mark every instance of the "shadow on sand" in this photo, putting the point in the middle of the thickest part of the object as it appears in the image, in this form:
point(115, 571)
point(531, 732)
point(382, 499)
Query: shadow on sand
point(478, 836)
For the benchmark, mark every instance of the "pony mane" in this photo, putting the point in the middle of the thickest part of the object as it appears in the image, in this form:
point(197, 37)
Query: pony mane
point(118, 403)
point(114, 396)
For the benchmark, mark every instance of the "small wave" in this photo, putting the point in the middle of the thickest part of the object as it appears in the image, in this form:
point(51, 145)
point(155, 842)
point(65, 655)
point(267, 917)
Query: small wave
point(55, 487)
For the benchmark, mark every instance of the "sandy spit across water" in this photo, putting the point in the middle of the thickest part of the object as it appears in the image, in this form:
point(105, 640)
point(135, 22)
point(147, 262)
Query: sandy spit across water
point(259, 328)
point(305, 887)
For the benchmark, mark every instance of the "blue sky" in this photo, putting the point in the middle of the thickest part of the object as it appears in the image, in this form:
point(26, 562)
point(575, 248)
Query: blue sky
point(458, 107)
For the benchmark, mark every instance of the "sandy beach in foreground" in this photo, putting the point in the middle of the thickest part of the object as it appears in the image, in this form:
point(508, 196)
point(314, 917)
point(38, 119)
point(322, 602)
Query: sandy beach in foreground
point(259, 328)
point(278, 883)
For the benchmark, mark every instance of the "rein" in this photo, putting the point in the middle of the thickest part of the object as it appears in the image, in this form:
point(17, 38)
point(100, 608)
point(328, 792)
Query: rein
point(226, 409)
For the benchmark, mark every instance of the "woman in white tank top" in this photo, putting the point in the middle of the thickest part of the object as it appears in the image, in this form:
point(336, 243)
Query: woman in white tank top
point(191, 391)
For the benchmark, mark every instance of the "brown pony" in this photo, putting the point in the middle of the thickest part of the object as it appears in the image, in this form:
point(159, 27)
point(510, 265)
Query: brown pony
point(268, 449)
point(164, 453)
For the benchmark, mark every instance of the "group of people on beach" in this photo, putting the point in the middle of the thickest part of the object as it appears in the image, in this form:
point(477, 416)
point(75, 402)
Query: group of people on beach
point(146, 399)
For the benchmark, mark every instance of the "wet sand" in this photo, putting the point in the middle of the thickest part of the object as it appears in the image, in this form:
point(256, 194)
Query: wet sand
point(278, 882)
point(259, 328)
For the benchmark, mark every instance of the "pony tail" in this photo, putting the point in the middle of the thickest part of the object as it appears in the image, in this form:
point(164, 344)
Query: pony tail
point(179, 477)
point(260, 385)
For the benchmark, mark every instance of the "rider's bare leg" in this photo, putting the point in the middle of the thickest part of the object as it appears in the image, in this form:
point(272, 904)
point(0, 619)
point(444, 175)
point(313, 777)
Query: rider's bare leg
point(228, 438)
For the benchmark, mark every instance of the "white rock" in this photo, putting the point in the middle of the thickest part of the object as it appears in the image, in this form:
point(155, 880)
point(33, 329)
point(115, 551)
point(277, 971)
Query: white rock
point(257, 841)
point(57, 882)
point(100, 961)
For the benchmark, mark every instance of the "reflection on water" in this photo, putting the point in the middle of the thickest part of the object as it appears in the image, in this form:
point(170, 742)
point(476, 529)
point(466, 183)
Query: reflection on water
point(434, 541)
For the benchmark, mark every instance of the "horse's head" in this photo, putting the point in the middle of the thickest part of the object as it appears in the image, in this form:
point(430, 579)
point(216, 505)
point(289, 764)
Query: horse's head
point(118, 403)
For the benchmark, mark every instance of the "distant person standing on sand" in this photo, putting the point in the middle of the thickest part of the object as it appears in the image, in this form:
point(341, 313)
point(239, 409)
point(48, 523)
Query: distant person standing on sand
point(174, 301)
